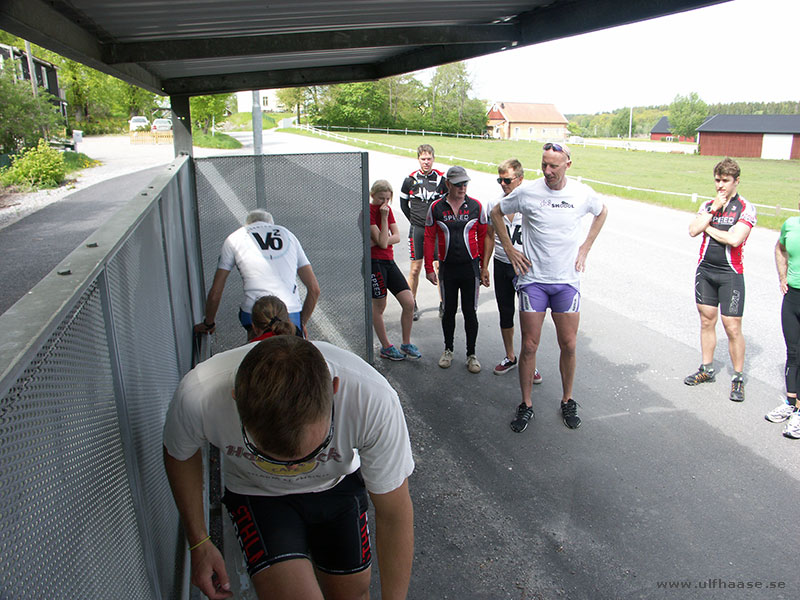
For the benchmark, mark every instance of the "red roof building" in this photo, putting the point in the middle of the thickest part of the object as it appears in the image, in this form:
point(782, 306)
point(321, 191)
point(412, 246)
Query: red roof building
point(524, 121)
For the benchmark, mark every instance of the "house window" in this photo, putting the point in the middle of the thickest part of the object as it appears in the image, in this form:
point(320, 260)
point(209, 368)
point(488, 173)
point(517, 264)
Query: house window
point(265, 101)
point(516, 131)
point(530, 131)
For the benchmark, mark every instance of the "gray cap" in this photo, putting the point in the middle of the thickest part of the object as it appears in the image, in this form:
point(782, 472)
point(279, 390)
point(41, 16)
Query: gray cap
point(457, 175)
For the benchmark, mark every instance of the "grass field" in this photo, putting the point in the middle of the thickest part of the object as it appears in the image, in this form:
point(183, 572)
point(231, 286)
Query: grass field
point(218, 140)
point(767, 183)
point(244, 121)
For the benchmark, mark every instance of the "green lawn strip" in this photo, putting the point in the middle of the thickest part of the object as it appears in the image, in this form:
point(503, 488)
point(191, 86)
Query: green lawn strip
point(218, 140)
point(772, 183)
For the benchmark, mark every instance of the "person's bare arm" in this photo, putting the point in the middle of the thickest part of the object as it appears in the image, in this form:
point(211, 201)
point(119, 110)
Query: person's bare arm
point(734, 237)
point(782, 263)
point(212, 302)
point(208, 566)
point(488, 250)
point(394, 534)
point(518, 260)
point(594, 230)
point(306, 275)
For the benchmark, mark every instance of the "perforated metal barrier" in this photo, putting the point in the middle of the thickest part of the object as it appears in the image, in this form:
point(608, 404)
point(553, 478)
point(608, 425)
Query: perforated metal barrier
point(321, 199)
point(89, 361)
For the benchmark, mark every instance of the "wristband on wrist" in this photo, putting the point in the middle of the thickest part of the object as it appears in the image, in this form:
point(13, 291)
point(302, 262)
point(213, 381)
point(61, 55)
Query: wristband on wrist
point(207, 326)
point(200, 543)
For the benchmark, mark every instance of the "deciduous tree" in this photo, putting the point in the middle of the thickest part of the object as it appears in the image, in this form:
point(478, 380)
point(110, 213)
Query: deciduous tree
point(686, 114)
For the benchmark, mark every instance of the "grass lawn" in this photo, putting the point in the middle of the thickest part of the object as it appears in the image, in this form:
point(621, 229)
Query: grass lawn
point(244, 121)
point(75, 161)
point(218, 140)
point(767, 183)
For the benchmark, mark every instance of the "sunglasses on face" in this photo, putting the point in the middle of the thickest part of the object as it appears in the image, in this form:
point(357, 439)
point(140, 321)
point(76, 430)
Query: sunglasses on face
point(556, 147)
point(288, 463)
point(459, 185)
point(506, 180)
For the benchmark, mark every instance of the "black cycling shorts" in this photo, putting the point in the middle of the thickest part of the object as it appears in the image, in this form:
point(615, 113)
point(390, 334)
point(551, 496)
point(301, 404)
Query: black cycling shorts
point(386, 275)
point(328, 528)
point(720, 288)
point(416, 243)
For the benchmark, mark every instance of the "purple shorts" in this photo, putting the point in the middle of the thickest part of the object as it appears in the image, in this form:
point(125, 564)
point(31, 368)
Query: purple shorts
point(558, 297)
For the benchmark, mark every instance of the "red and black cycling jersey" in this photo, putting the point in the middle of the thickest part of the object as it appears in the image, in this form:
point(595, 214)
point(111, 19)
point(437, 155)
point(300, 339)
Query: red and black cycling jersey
point(460, 235)
point(718, 256)
point(418, 192)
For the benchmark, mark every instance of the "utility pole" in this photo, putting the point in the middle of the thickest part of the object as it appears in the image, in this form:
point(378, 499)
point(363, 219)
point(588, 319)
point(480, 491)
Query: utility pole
point(30, 68)
point(630, 124)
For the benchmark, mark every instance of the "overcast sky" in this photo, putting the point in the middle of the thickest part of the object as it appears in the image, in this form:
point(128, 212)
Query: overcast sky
point(744, 50)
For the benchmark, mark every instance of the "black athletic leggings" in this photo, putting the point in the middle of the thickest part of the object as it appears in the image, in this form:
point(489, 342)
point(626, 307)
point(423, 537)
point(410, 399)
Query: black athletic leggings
point(790, 322)
point(464, 278)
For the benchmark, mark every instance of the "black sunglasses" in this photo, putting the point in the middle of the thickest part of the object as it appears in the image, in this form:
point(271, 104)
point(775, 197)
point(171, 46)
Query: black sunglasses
point(459, 185)
point(556, 147)
point(287, 463)
point(507, 180)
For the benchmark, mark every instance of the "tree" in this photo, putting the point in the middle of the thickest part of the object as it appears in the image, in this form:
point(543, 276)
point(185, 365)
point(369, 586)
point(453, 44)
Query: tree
point(362, 104)
point(207, 109)
point(292, 98)
point(621, 122)
point(686, 114)
point(24, 119)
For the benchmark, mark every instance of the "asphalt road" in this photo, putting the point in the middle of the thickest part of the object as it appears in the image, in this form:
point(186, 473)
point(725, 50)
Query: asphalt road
point(666, 491)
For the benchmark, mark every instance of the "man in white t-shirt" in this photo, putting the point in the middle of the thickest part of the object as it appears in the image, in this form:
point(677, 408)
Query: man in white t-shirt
point(548, 271)
point(306, 431)
point(511, 174)
point(269, 258)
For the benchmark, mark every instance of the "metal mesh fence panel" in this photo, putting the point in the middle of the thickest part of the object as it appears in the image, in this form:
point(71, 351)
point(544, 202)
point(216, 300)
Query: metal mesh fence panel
point(90, 361)
point(145, 341)
point(319, 198)
point(68, 528)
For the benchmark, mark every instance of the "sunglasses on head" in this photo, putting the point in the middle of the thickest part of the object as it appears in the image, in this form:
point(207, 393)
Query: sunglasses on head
point(507, 180)
point(556, 147)
point(287, 463)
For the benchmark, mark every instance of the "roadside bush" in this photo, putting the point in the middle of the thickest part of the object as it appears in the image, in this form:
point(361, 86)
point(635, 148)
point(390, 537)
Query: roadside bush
point(101, 126)
point(42, 166)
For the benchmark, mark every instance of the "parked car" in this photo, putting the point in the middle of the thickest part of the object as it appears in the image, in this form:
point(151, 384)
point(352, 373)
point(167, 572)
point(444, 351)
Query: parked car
point(139, 123)
point(162, 125)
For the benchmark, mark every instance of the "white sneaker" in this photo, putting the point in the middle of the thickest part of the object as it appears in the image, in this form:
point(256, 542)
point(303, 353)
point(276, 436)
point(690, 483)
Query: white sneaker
point(780, 413)
point(472, 364)
point(792, 429)
point(446, 359)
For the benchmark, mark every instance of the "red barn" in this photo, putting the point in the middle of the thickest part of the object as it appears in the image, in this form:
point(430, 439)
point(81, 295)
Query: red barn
point(663, 131)
point(758, 136)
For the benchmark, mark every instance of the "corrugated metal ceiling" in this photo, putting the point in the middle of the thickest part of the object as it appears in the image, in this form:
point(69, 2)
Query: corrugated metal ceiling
point(190, 47)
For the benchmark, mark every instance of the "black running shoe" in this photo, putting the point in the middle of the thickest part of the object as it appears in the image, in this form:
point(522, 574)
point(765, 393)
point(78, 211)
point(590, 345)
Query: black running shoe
point(569, 412)
point(737, 390)
point(524, 414)
point(702, 375)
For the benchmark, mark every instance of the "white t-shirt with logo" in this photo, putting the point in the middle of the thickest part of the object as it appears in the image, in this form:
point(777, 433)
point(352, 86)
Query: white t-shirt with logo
point(513, 227)
point(267, 257)
point(369, 429)
point(551, 232)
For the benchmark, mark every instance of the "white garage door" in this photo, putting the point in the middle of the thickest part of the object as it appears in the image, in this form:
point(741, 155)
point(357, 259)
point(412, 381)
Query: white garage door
point(776, 146)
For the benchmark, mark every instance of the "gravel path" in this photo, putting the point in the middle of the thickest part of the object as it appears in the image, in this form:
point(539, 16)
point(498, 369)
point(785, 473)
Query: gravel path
point(117, 157)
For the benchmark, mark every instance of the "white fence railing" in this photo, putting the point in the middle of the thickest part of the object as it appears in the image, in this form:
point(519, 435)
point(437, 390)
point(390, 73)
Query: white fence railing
point(693, 197)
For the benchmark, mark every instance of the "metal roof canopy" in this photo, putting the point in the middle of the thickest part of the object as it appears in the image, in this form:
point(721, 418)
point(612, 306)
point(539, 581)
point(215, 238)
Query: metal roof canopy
point(192, 47)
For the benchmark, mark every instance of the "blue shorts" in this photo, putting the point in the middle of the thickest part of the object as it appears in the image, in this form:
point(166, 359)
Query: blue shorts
point(246, 319)
point(558, 297)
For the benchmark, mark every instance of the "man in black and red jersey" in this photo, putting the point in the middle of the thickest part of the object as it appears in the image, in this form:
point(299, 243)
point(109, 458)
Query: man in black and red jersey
point(456, 226)
point(725, 223)
point(419, 190)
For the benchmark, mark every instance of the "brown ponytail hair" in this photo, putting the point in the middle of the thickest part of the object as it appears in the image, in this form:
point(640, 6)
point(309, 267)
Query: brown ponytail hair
point(269, 314)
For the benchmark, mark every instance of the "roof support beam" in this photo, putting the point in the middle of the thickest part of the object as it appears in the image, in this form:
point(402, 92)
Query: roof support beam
point(566, 19)
point(36, 22)
point(264, 45)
